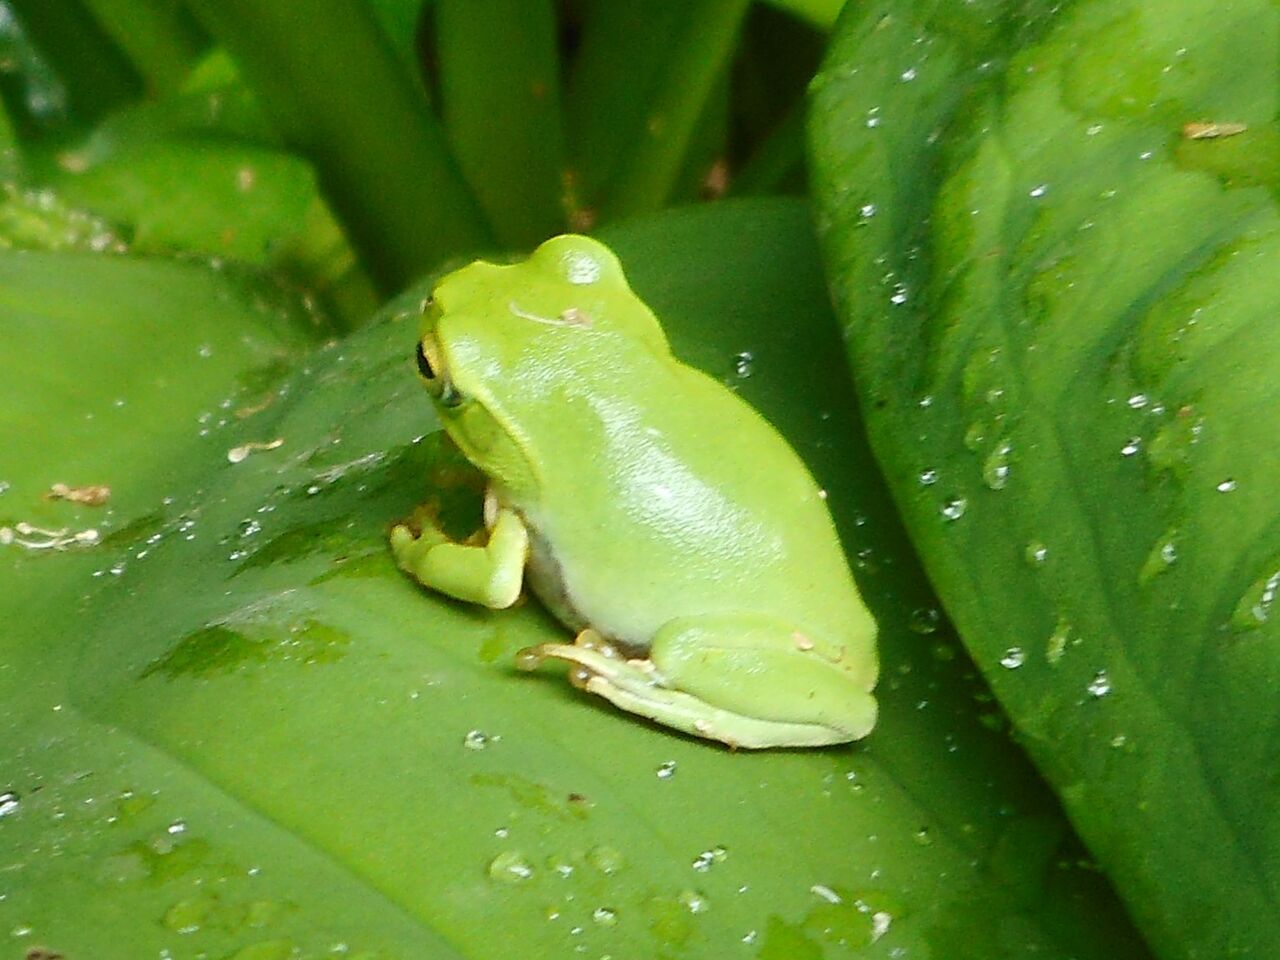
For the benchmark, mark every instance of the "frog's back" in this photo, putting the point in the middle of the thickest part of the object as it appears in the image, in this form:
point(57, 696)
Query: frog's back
point(679, 499)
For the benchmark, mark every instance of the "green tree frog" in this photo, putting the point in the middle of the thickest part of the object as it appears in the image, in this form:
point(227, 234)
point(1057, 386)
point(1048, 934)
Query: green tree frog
point(649, 507)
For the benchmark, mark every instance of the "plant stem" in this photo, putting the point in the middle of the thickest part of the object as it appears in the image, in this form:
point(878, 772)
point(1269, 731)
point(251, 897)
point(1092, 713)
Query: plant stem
point(500, 95)
point(159, 36)
point(702, 49)
point(775, 159)
point(334, 88)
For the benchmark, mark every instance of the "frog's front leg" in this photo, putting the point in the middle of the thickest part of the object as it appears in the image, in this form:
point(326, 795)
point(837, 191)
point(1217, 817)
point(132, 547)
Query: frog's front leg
point(488, 574)
point(744, 680)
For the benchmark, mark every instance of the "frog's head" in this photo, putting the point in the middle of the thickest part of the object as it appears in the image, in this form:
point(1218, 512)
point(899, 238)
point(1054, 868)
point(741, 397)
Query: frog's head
point(495, 337)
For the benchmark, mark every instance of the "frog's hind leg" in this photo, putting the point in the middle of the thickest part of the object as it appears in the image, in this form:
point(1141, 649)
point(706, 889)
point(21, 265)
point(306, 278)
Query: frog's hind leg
point(730, 699)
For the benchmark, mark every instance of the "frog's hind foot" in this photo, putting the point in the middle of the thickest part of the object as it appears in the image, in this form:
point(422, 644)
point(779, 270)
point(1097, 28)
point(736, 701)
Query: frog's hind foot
point(637, 686)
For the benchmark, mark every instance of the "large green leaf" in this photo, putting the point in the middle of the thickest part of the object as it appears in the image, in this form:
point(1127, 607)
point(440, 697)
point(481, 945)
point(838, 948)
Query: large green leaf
point(255, 738)
point(1060, 302)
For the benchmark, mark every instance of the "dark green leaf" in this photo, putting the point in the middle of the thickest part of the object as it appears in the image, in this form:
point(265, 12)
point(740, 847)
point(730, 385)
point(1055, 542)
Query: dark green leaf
point(1060, 306)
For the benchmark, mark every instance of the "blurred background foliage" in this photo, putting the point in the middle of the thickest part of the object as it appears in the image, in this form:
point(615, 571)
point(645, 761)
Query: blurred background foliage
point(416, 131)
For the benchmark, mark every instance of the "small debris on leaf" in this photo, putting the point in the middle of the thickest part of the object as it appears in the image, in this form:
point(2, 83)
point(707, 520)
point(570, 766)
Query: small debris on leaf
point(93, 495)
point(1200, 130)
point(237, 454)
point(30, 537)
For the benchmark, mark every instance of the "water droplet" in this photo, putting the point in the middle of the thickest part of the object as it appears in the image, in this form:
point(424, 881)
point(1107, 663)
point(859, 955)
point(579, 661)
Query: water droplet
point(928, 478)
point(510, 867)
point(605, 916)
point(873, 117)
point(995, 469)
point(177, 827)
point(1226, 486)
point(867, 211)
point(560, 865)
point(1252, 610)
point(822, 891)
point(704, 861)
point(9, 803)
point(1163, 555)
point(1138, 401)
point(899, 295)
point(605, 859)
point(954, 508)
point(743, 364)
point(1100, 685)
point(666, 770)
point(1131, 446)
point(1093, 129)
point(476, 740)
point(881, 920)
point(922, 837)
point(188, 916)
point(976, 435)
point(925, 402)
point(908, 75)
point(694, 901)
point(1056, 645)
point(1039, 190)
point(1013, 658)
point(925, 620)
point(1036, 553)
point(1119, 740)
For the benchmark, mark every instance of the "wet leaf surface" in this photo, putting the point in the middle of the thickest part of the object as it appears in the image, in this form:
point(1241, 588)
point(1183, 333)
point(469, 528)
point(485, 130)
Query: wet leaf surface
point(1059, 299)
point(249, 736)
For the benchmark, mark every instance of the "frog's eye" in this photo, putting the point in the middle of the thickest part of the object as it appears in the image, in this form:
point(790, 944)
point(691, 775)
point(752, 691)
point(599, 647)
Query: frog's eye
point(425, 368)
point(434, 375)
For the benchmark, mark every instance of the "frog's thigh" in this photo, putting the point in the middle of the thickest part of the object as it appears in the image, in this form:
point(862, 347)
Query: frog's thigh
point(490, 574)
point(765, 669)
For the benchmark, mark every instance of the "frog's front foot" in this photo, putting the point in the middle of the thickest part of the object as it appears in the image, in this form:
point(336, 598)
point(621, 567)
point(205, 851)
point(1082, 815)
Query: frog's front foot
point(490, 573)
point(639, 687)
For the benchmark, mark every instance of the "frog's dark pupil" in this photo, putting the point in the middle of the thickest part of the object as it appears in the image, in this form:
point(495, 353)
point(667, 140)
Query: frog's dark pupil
point(424, 365)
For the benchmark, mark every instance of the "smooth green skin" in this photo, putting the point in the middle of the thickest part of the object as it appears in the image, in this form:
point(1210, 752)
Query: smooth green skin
point(647, 506)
